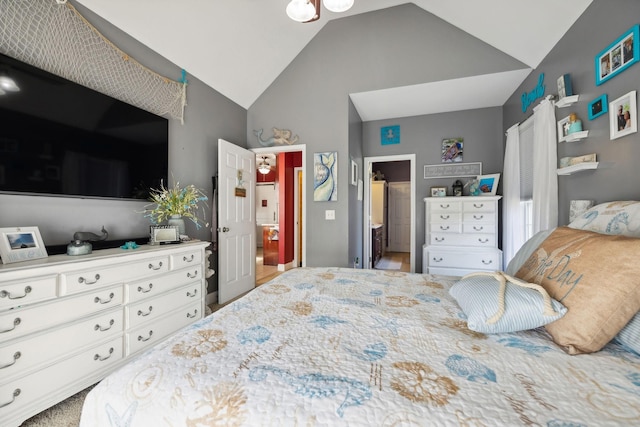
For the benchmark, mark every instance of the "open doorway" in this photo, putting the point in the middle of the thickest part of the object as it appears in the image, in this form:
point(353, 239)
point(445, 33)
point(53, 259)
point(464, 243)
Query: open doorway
point(280, 210)
point(389, 225)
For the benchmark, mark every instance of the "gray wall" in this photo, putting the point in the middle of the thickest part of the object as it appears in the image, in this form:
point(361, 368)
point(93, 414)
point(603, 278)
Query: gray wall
point(381, 49)
point(482, 132)
point(192, 159)
point(618, 177)
point(355, 205)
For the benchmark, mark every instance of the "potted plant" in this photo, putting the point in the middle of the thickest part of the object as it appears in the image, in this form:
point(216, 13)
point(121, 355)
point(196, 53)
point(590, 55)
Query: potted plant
point(174, 204)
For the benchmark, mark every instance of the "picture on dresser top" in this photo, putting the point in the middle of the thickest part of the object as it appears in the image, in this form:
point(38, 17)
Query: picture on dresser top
point(21, 244)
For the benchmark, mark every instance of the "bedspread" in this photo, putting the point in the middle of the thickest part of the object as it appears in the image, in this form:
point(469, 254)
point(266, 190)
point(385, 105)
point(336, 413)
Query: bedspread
point(338, 346)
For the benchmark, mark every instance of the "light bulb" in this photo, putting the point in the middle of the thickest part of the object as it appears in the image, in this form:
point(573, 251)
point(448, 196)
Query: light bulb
point(301, 10)
point(338, 5)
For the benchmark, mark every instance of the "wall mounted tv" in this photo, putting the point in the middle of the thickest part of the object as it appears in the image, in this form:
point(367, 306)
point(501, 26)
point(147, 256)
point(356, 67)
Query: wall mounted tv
point(61, 138)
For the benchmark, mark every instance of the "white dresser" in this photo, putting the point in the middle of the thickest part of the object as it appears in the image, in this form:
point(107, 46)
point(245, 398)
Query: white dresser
point(461, 235)
point(68, 321)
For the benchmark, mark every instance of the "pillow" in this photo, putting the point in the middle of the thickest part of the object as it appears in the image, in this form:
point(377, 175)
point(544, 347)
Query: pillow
point(595, 276)
point(629, 336)
point(525, 251)
point(524, 308)
point(621, 218)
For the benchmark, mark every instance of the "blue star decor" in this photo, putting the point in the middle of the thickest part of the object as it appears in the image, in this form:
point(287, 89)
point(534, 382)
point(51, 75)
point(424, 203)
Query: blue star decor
point(390, 135)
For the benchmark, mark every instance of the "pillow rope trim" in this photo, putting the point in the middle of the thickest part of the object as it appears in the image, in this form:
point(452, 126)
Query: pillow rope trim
point(503, 277)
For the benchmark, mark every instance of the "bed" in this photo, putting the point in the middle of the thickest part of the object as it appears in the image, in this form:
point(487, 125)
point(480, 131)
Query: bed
point(351, 347)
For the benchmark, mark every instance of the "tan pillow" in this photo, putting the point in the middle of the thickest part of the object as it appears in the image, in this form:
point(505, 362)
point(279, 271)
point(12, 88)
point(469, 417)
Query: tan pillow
point(596, 276)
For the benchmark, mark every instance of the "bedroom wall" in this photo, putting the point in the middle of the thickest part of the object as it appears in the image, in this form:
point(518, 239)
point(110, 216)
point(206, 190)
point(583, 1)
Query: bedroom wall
point(618, 175)
point(381, 49)
point(481, 129)
point(355, 205)
point(192, 159)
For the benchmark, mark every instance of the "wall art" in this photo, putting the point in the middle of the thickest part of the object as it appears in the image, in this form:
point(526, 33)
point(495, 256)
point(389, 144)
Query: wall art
point(618, 56)
point(623, 116)
point(452, 150)
point(325, 177)
point(598, 107)
point(390, 135)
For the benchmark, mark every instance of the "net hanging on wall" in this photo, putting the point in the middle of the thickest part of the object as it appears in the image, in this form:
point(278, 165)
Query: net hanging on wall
point(52, 35)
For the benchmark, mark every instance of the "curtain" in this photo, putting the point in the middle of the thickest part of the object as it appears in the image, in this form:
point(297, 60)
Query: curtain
point(545, 161)
point(513, 232)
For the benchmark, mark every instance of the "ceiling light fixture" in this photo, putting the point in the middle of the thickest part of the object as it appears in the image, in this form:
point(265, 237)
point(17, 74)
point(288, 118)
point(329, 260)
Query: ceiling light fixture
point(264, 167)
point(309, 10)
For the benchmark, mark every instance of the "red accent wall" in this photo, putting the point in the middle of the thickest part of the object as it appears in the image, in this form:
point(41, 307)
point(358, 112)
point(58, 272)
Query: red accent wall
point(287, 162)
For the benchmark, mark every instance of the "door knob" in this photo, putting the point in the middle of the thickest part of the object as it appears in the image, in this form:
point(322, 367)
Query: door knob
point(225, 229)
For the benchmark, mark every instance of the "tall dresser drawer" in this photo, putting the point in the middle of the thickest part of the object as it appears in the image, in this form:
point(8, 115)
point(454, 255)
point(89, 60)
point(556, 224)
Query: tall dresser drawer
point(186, 259)
point(480, 260)
point(156, 285)
point(478, 240)
point(479, 228)
point(19, 356)
point(149, 309)
point(23, 292)
point(479, 217)
point(445, 206)
point(81, 281)
point(19, 322)
point(478, 206)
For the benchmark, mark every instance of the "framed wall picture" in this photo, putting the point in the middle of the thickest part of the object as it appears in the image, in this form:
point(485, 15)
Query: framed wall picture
point(354, 173)
point(452, 150)
point(325, 176)
point(623, 116)
point(598, 107)
point(390, 135)
point(21, 244)
point(618, 56)
point(488, 184)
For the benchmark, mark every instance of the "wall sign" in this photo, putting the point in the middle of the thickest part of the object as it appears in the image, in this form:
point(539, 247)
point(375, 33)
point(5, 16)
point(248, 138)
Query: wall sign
point(453, 170)
point(536, 93)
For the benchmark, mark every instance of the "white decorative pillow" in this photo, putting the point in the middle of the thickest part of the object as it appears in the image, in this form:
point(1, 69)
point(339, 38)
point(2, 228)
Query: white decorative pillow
point(525, 251)
point(622, 217)
point(524, 308)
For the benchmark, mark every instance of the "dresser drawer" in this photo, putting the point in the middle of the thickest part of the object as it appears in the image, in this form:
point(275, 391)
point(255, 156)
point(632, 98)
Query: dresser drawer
point(22, 321)
point(27, 291)
point(20, 356)
point(17, 395)
point(446, 218)
point(476, 240)
point(145, 336)
point(479, 217)
point(445, 206)
point(84, 280)
point(441, 227)
point(156, 285)
point(479, 228)
point(475, 260)
point(478, 206)
point(150, 309)
point(186, 259)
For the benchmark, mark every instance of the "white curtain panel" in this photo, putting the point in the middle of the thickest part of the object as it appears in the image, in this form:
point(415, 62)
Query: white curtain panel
point(512, 215)
point(545, 166)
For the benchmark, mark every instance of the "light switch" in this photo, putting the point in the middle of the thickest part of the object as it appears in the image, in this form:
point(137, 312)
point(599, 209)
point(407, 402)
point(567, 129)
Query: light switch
point(330, 214)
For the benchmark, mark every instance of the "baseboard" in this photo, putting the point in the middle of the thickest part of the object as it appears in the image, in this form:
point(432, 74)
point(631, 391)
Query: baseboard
point(287, 266)
point(211, 298)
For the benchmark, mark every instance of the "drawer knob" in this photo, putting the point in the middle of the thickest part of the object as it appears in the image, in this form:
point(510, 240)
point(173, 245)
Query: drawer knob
point(487, 262)
point(86, 282)
point(185, 259)
point(143, 314)
point(158, 267)
point(480, 228)
point(444, 216)
point(16, 356)
point(478, 206)
point(478, 216)
point(16, 322)
point(191, 295)
point(443, 228)
point(195, 313)
point(143, 290)
point(439, 239)
point(141, 338)
point(101, 329)
point(101, 301)
point(100, 358)
point(192, 276)
point(7, 294)
point(483, 240)
point(437, 259)
point(16, 393)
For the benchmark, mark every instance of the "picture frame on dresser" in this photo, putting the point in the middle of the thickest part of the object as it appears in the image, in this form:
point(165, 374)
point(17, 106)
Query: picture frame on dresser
point(21, 244)
point(488, 184)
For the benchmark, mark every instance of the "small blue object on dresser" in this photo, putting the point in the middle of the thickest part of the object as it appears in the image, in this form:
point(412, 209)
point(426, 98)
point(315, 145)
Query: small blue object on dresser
point(129, 245)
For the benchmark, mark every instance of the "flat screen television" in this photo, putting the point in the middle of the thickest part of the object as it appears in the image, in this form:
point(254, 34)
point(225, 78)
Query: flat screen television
point(61, 138)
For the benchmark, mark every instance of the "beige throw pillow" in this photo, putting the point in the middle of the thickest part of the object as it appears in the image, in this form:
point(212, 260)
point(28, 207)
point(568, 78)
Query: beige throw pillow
point(596, 276)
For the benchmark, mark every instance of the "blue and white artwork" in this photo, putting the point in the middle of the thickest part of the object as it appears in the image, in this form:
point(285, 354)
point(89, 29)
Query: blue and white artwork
point(325, 177)
point(390, 135)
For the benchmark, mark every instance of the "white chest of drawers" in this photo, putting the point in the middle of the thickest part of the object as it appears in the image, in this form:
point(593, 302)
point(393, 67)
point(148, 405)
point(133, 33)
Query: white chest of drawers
point(66, 322)
point(461, 235)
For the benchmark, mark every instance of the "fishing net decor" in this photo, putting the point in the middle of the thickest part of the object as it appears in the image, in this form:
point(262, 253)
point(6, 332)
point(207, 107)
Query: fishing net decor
point(53, 36)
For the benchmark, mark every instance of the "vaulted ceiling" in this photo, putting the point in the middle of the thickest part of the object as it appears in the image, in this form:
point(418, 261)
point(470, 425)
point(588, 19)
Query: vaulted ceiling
point(239, 47)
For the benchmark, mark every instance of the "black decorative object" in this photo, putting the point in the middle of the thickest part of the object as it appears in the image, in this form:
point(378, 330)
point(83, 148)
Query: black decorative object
point(457, 188)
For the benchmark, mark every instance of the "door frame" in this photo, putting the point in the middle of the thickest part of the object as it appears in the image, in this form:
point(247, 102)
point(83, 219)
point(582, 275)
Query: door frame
point(368, 162)
point(293, 149)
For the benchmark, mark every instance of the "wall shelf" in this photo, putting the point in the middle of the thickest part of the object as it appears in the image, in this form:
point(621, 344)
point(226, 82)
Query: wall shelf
point(576, 136)
point(567, 101)
point(577, 168)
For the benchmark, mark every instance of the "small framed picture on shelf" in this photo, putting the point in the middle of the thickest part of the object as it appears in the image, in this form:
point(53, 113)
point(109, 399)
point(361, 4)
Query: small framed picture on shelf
point(21, 244)
point(598, 107)
point(623, 116)
point(563, 129)
point(438, 191)
point(488, 184)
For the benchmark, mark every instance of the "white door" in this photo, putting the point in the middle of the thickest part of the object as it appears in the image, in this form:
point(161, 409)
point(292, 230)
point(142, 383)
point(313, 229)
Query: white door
point(399, 216)
point(236, 221)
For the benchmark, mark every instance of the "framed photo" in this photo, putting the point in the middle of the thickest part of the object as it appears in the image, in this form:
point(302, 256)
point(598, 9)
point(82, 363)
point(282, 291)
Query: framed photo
point(598, 107)
point(452, 150)
point(623, 116)
point(438, 191)
point(390, 135)
point(563, 129)
point(21, 244)
point(354, 173)
point(488, 184)
point(164, 234)
point(618, 56)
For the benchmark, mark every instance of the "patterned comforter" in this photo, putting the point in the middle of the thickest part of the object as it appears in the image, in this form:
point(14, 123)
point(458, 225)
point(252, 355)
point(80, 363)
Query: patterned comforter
point(338, 347)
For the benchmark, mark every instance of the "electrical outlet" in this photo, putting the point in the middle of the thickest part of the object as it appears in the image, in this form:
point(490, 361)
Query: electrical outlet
point(330, 214)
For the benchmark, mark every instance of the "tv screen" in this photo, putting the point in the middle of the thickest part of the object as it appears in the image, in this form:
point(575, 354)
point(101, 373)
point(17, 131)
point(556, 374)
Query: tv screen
point(58, 137)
